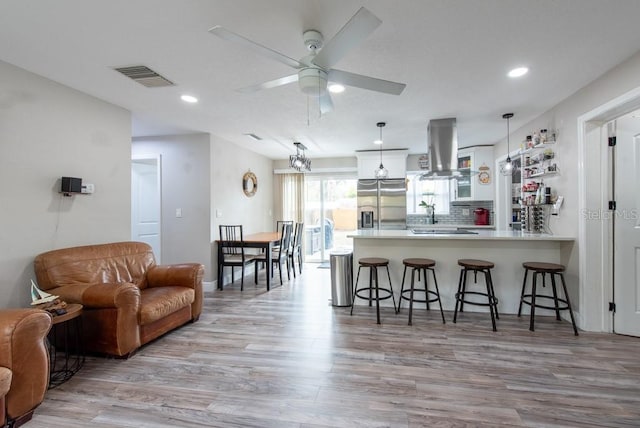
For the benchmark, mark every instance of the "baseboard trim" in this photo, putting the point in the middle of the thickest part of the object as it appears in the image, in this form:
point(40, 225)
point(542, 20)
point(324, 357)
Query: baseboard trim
point(208, 286)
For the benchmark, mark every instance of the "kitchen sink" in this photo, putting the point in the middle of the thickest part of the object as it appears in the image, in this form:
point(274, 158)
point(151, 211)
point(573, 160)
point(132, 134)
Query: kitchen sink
point(443, 232)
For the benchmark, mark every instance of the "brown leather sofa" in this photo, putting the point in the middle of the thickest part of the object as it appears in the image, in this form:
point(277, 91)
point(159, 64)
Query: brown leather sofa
point(24, 363)
point(127, 299)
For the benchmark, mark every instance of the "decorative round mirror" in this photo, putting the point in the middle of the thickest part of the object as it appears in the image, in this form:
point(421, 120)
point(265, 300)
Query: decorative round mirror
point(249, 184)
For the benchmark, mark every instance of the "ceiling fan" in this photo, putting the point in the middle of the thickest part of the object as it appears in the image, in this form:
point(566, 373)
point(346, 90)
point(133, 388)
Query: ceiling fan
point(315, 69)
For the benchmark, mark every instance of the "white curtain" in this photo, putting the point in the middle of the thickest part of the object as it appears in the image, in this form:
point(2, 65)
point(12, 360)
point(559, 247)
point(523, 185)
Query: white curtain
point(289, 197)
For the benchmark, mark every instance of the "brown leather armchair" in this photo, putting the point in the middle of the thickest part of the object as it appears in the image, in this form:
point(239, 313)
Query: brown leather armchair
point(24, 363)
point(127, 299)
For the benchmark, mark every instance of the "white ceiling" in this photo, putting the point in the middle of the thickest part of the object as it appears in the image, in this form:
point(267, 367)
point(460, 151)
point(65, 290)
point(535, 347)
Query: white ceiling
point(452, 54)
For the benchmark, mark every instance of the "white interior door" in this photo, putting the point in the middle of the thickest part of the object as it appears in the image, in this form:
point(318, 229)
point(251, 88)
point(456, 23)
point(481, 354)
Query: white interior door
point(145, 203)
point(626, 223)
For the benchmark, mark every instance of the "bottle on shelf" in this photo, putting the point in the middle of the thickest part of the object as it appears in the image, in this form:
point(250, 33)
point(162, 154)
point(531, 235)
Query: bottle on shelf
point(543, 136)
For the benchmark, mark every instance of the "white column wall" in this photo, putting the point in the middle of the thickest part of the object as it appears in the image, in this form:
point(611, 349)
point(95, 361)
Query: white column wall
point(47, 131)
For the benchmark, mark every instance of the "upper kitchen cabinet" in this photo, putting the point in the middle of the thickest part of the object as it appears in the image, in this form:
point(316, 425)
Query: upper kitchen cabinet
point(477, 180)
point(394, 160)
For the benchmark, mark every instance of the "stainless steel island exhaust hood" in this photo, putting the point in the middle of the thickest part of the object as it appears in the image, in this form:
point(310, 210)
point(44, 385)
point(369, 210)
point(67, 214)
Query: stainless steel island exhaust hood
point(442, 149)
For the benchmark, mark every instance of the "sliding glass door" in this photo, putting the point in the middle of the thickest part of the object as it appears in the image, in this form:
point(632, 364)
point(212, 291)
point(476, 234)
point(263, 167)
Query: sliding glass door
point(329, 214)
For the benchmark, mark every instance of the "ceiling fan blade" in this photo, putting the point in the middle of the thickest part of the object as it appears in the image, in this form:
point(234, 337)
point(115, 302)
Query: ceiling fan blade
point(326, 104)
point(366, 82)
point(270, 84)
point(355, 31)
point(256, 47)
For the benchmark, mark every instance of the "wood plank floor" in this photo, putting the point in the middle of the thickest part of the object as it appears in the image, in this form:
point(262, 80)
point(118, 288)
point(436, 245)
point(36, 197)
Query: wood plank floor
point(287, 358)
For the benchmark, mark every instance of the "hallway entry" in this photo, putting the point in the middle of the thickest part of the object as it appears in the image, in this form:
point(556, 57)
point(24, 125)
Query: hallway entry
point(146, 220)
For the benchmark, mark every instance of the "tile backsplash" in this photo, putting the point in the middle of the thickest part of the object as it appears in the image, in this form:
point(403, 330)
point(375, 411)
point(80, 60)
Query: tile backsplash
point(456, 214)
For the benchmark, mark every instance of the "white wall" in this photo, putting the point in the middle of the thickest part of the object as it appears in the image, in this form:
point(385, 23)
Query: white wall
point(185, 184)
point(47, 131)
point(564, 117)
point(229, 205)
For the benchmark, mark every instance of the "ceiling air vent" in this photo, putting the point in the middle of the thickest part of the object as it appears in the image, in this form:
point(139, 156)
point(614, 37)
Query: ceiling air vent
point(253, 136)
point(145, 76)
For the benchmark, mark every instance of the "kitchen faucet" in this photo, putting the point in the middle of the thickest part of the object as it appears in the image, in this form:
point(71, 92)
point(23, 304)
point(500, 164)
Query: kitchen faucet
point(431, 211)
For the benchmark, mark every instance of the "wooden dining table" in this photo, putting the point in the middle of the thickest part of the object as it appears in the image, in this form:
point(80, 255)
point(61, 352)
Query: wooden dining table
point(261, 240)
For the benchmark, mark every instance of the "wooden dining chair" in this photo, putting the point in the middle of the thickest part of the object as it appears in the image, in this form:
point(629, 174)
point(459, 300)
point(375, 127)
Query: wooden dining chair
point(279, 255)
point(279, 224)
point(295, 251)
point(232, 253)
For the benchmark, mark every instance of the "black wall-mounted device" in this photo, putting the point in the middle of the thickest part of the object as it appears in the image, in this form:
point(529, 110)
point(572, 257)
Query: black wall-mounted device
point(70, 185)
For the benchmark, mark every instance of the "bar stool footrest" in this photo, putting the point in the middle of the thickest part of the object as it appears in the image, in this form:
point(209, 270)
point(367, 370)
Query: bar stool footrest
point(429, 292)
point(373, 297)
point(537, 305)
point(492, 301)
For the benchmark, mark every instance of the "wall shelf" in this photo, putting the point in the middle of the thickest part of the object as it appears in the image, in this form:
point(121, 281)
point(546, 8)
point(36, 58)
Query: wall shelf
point(537, 161)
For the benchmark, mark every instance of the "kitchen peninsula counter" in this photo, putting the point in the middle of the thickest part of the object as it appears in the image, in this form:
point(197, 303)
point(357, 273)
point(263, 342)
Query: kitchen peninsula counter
point(451, 226)
point(481, 234)
point(506, 249)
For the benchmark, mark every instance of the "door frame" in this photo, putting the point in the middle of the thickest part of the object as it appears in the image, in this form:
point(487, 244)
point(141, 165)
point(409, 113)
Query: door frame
point(323, 175)
point(158, 161)
point(595, 253)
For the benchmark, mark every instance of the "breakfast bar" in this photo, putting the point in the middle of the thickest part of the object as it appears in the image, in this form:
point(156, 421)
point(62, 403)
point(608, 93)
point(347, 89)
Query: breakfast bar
point(507, 249)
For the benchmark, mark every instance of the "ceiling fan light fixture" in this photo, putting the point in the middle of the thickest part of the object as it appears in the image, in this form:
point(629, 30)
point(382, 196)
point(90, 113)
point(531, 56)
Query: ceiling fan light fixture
point(312, 81)
point(314, 70)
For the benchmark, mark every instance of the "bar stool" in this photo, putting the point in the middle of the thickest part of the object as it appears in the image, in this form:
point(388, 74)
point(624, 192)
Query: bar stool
point(553, 269)
point(476, 266)
point(373, 263)
point(420, 265)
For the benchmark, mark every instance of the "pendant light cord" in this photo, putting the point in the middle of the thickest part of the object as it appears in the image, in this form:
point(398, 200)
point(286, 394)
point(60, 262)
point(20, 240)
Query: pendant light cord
point(507, 168)
point(508, 148)
point(381, 145)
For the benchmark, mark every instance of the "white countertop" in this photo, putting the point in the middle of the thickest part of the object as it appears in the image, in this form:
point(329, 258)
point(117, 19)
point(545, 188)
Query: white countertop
point(503, 235)
point(451, 226)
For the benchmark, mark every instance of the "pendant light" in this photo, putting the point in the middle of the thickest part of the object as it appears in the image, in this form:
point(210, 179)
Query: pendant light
point(508, 167)
point(299, 161)
point(381, 172)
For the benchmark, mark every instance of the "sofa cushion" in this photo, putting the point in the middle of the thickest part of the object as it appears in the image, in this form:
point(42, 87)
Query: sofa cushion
point(94, 264)
point(5, 381)
point(158, 302)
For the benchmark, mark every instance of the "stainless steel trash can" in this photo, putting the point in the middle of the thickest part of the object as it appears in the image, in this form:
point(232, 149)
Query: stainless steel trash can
point(341, 262)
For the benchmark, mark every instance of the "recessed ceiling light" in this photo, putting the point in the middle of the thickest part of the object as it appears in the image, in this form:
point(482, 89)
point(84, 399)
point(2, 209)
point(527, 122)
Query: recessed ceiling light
point(517, 72)
point(377, 142)
point(336, 88)
point(189, 99)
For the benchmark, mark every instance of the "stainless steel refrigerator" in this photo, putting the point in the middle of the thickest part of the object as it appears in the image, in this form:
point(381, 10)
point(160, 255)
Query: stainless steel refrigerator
point(382, 204)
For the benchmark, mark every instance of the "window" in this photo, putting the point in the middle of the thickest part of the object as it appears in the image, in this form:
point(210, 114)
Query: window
point(436, 192)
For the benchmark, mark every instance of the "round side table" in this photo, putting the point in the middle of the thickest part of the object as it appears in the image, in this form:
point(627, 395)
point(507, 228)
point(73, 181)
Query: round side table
point(66, 355)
